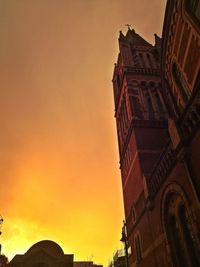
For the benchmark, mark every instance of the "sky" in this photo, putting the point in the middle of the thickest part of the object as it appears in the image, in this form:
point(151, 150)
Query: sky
point(59, 163)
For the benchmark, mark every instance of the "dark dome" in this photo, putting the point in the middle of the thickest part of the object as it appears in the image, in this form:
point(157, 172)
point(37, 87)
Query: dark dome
point(49, 246)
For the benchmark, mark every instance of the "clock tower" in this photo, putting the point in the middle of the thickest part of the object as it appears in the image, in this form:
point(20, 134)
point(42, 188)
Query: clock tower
point(141, 119)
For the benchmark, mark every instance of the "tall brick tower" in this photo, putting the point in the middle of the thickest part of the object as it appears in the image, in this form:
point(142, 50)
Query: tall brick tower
point(141, 118)
point(157, 110)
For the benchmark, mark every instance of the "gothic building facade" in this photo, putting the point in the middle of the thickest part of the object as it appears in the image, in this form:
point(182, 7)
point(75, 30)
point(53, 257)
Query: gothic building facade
point(157, 111)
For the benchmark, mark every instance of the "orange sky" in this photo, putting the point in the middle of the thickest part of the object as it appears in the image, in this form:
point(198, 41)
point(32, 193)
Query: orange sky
point(59, 168)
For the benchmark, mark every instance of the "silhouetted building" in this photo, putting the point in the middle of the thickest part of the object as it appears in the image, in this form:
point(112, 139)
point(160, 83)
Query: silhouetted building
point(85, 264)
point(3, 260)
point(157, 110)
point(45, 253)
point(119, 259)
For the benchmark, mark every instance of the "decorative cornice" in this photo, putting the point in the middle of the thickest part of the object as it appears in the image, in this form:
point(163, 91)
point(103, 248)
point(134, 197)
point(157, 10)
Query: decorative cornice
point(143, 71)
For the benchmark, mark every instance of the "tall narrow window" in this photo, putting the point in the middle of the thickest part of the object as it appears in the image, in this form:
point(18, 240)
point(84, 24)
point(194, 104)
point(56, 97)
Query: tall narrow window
point(122, 123)
point(184, 246)
point(118, 84)
point(142, 60)
point(148, 104)
point(138, 248)
point(180, 81)
point(120, 137)
point(134, 100)
point(177, 251)
point(150, 61)
point(150, 108)
point(126, 55)
point(133, 214)
point(136, 107)
point(159, 103)
point(189, 237)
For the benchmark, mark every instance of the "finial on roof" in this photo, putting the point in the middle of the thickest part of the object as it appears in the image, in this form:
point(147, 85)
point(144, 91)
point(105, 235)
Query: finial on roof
point(129, 26)
point(157, 40)
point(121, 35)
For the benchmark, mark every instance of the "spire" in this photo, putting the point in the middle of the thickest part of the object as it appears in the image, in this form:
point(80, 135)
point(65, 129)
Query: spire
point(121, 35)
point(129, 29)
point(129, 26)
point(135, 39)
point(158, 40)
point(132, 38)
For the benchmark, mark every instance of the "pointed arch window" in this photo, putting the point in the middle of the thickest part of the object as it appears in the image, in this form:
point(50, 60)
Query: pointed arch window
point(189, 237)
point(183, 244)
point(176, 243)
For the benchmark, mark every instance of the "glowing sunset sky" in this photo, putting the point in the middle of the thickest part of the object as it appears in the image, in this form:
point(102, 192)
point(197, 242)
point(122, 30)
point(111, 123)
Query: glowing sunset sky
point(59, 168)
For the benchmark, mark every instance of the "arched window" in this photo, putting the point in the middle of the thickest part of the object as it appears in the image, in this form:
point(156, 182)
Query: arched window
point(189, 238)
point(177, 249)
point(179, 226)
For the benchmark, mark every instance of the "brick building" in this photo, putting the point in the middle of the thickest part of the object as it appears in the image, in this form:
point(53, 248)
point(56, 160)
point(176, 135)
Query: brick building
point(157, 111)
